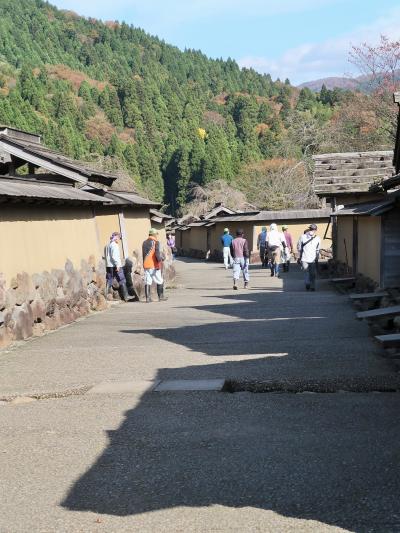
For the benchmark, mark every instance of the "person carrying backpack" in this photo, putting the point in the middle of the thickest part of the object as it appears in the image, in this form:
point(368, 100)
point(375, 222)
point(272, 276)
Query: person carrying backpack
point(153, 258)
point(308, 247)
point(276, 244)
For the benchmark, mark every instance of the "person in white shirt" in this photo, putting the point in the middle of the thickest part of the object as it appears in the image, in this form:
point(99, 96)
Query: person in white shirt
point(276, 243)
point(308, 248)
point(114, 268)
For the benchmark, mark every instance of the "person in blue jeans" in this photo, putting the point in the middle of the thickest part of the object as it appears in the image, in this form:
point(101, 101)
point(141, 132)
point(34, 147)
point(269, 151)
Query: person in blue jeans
point(226, 240)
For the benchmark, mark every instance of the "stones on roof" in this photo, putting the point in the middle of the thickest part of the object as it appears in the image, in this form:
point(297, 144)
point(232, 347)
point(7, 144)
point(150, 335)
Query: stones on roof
point(351, 172)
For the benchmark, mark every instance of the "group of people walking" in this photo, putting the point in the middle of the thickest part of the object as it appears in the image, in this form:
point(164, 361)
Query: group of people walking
point(153, 257)
point(275, 248)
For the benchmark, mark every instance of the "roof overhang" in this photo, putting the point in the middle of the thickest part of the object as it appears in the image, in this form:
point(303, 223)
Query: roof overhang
point(366, 209)
point(42, 157)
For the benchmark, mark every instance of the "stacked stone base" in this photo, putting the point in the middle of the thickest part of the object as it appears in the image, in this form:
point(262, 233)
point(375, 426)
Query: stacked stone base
point(33, 305)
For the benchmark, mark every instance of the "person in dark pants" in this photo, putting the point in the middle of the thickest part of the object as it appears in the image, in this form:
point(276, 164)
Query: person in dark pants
point(241, 258)
point(114, 270)
point(308, 248)
point(262, 246)
point(289, 248)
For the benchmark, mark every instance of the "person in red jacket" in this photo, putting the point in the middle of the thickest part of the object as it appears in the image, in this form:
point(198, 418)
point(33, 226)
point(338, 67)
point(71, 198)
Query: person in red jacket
point(152, 264)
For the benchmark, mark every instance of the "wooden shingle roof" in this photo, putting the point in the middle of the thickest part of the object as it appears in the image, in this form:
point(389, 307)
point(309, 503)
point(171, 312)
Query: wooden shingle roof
point(352, 172)
point(21, 190)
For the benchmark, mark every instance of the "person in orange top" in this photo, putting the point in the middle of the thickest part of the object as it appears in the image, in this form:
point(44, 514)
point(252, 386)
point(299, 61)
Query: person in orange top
point(152, 264)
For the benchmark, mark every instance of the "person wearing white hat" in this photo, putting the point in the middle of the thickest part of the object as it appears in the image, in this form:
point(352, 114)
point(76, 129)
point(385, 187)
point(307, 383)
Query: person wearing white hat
point(308, 248)
point(276, 244)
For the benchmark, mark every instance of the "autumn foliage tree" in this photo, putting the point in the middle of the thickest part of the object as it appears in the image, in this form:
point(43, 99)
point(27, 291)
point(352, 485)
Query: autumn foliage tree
point(380, 66)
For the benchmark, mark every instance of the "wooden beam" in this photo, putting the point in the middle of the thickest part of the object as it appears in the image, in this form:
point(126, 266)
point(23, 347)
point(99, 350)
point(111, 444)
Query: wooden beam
point(384, 312)
point(368, 295)
point(41, 162)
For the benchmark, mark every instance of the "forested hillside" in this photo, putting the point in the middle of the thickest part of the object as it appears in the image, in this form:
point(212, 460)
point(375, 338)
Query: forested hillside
point(169, 118)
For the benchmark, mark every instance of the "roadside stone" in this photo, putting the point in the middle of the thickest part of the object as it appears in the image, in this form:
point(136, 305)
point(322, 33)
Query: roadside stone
point(23, 321)
point(25, 291)
point(38, 329)
point(13, 283)
point(69, 267)
point(48, 287)
point(59, 275)
point(11, 299)
point(6, 337)
point(66, 316)
point(100, 303)
point(100, 281)
point(38, 310)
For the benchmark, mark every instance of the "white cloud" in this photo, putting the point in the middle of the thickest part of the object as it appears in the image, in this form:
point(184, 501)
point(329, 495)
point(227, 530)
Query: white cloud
point(329, 58)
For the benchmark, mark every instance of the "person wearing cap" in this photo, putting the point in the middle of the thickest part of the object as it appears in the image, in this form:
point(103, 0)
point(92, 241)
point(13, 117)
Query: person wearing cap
point(289, 248)
point(241, 258)
point(276, 245)
point(226, 240)
point(308, 248)
point(114, 270)
point(152, 264)
point(261, 246)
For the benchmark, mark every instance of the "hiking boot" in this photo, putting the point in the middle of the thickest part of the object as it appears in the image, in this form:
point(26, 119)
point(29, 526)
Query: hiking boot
point(160, 293)
point(123, 292)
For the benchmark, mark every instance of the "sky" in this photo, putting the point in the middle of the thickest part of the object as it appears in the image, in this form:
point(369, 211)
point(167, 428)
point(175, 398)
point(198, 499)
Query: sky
point(302, 40)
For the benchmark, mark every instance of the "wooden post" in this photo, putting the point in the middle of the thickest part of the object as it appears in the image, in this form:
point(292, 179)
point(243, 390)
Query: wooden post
point(396, 155)
point(355, 245)
point(124, 239)
point(334, 230)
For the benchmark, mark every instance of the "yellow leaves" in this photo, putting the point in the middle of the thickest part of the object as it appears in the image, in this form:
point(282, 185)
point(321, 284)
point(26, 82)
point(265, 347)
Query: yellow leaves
point(201, 132)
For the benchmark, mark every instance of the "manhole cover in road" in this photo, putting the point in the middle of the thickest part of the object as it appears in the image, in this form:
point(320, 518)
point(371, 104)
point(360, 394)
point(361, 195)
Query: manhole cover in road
point(182, 385)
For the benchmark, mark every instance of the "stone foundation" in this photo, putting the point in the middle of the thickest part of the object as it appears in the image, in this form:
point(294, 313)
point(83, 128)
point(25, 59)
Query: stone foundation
point(32, 305)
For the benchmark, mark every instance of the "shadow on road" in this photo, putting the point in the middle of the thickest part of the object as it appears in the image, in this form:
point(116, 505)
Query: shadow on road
point(332, 458)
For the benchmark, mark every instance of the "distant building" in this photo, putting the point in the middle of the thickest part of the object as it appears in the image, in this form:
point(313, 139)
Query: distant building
point(202, 238)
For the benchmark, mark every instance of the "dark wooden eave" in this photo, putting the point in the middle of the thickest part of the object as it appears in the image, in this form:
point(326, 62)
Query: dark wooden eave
point(22, 151)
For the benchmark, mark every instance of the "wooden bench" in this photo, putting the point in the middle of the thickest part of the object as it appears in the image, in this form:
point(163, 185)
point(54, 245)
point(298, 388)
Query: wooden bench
point(343, 280)
point(368, 295)
point(389, 341)
point(376, 314)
